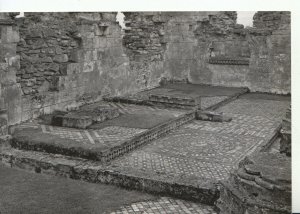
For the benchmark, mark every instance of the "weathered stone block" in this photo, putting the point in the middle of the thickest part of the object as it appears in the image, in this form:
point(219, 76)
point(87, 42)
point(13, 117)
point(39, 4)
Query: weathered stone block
point(14, 61)
point(285, 142)
point(88, 67)
point(61, 58)
point(9, 34)
point(88, 115)
point(212, 116)
point(74, 68)
point(46, 59)
point(88, 43)
point(100, 42)
point(76, 121)
point(177, 100)
point(7, 51)
point(102, 113)
point(77, 56)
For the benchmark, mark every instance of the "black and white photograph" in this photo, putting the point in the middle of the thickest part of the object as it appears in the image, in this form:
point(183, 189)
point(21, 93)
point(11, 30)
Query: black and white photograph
point(126, 111)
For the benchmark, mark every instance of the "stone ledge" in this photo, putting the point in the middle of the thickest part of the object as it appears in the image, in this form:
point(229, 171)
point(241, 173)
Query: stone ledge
point(174, 100)
point(196, 189)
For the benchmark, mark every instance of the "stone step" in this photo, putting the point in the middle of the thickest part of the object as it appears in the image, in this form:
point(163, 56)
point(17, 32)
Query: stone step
point(175, 100)
point(199, 190)
point(175, 103)
point(85, 117)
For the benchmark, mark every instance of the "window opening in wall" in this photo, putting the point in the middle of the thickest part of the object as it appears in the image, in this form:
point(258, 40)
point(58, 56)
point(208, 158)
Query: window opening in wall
point(120, 19)
point(20, 15)
point(245, 18)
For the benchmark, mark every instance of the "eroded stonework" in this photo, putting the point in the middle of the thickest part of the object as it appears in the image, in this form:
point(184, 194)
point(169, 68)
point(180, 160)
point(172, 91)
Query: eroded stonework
point(59, 61)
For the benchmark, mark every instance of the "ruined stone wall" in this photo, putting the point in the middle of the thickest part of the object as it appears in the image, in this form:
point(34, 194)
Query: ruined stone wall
point(10, 90)
point(270, 45)
point(68, 59)
point(176, 45)
point(55, 61)
point(145, 45)
point(211, 48)
point(200, 36)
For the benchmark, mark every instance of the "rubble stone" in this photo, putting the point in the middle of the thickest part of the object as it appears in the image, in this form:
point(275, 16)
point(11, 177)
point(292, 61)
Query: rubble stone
point(286, 135)
point(262, 184)
point(212, 116)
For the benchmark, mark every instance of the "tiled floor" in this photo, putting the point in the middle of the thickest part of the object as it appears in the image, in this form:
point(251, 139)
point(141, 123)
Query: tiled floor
point(107, 135)
point(165, 205)
point(210, 149)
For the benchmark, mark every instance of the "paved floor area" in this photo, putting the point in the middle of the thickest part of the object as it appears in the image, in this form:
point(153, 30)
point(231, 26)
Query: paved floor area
point(210, 149)
point(165, 205)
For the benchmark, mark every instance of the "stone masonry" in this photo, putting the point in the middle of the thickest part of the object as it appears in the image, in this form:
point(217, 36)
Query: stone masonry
point(59, 61)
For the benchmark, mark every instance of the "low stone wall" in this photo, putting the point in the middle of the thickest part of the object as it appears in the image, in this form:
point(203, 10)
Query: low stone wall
point(261, 184)
point(148, 136)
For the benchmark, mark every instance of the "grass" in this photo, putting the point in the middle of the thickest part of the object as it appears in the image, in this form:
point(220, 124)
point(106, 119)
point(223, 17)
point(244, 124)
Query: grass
point(25, 192)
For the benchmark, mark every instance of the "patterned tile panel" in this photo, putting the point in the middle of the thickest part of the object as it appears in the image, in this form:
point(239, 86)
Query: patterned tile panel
point(209, 149)
point(165, 205)
point(270, 109)
point(106, 136)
